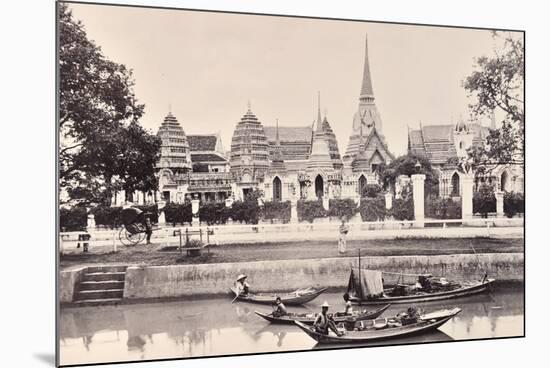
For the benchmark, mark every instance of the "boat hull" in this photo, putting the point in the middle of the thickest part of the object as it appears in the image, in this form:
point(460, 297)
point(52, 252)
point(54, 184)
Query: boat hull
point(289, 320)
point(457, 293)
point(287, 299)
point(361, 337)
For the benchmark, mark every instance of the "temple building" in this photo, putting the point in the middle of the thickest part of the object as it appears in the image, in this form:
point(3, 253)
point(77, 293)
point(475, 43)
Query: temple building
point(304, 162)
point(249, 158)
point(441, 143)
point(367, 149)
point(191, 166)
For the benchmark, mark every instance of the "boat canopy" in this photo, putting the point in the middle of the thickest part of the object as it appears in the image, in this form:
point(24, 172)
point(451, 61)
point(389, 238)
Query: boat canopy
point(365, 283)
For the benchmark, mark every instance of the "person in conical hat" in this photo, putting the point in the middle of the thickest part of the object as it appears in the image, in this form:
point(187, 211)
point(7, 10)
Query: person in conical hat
point(241, 285)
point(324, 321)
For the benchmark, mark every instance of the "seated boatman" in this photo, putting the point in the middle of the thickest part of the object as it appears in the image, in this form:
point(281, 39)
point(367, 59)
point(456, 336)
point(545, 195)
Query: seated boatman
point(241, 285)
point(348, 310)
point(324, 322)
point(279, 308)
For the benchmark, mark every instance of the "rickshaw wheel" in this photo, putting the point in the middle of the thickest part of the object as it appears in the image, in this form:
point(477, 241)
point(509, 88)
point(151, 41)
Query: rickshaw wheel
point(129, 239)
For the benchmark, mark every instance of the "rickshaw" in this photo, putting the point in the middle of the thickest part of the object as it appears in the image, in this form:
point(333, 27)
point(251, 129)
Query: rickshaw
point(133, 230)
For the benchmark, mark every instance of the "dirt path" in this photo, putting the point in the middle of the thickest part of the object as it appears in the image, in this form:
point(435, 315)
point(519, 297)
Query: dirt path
point(155, 255)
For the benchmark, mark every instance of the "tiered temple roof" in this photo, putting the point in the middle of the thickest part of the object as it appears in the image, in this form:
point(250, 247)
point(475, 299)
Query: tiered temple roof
point(319, 159)
point(436, 142)
point(175, 147)
point(249, 147)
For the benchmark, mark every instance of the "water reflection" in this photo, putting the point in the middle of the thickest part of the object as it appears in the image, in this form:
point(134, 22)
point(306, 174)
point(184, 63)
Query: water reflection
point(217, 327)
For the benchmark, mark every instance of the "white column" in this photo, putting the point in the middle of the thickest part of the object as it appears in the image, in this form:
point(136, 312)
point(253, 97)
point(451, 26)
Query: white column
point(467, 186)
point(418, 198)
point(499, 195)
point(293, 210)
point(389, 197)
point(91, 222)
point(195, 210)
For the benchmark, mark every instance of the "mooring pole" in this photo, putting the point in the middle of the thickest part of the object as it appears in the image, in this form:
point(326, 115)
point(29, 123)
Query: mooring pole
point(360, 286)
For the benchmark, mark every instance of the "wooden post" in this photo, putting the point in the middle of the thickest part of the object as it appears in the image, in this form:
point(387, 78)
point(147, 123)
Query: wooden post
point(186, 236)
point(61, 244)
point(114, 241)
point(200, 235)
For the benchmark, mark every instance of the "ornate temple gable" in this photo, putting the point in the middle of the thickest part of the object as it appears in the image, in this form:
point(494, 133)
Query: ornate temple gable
point(375, 145)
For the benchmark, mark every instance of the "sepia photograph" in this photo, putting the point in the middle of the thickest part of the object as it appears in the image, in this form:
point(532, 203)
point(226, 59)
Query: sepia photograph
point(238, 183)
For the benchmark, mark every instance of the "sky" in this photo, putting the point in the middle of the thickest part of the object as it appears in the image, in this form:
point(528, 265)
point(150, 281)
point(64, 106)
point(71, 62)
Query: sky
point(206, 67)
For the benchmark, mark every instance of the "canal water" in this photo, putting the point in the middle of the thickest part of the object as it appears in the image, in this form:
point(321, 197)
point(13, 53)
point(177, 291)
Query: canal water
point(216, 327)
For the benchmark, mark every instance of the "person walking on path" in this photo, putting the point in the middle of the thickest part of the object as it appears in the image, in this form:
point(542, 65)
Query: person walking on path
point(343, 229)
point(148, 227)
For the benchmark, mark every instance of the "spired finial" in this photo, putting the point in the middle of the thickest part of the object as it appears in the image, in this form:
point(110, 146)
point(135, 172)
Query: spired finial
point(248, 104)
point(170, 108)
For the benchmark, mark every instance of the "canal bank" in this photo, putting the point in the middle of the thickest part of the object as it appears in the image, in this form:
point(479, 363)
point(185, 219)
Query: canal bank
point(200, 280)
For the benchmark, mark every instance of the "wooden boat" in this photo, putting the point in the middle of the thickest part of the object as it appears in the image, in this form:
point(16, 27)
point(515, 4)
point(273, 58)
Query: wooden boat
point(383, 329)
point(415, 296)
point(309, 318)
point(297, 297)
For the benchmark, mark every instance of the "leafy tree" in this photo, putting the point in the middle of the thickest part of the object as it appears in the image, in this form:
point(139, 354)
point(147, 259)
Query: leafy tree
point(102, 145)
point(406, 165)
point(484, 200)
point(497, 84)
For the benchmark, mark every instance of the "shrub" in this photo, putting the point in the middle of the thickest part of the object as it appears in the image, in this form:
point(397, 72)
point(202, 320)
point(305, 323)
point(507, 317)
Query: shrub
point(403, 208)
point(342, 208)
point(443, 208)
point(213, 213)
point(276, 210)
point(73, 219)
point(513, 203)
point(373, 209)
point(309, 210)
point(178, 213)
point(372, 191)
point(107, 215)
point(247, 211)
point(484, 200)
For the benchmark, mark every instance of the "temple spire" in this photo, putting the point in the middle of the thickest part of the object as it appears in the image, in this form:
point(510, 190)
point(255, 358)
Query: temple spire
point(366, 87)
point(319, 121)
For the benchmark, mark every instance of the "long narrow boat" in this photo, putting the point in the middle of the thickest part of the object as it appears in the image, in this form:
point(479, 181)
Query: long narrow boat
point(466, 288)
point(297, 297)
point(309, 318)
point(379, 330)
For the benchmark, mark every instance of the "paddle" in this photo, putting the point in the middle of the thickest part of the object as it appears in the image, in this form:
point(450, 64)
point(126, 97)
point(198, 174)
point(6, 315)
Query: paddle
point(236, 296)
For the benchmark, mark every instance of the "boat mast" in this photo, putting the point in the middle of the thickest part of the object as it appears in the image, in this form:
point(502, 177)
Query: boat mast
point(359, 274)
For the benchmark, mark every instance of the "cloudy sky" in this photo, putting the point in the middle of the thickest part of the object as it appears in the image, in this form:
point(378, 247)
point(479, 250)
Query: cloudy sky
point(207, 66)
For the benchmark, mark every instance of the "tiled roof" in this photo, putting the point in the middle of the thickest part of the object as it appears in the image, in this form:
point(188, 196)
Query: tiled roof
point(206, 157)
point(202, 142)
point(289, 134)
point(436, 142)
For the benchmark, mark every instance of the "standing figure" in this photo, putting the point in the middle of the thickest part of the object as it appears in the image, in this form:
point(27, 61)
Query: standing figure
point(324, 322)
point(148, 227)
point(343, 229)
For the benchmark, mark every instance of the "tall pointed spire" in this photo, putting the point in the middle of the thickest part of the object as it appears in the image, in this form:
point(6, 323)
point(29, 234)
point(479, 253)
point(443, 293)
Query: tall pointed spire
point(318, 109)
point(366, 87)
